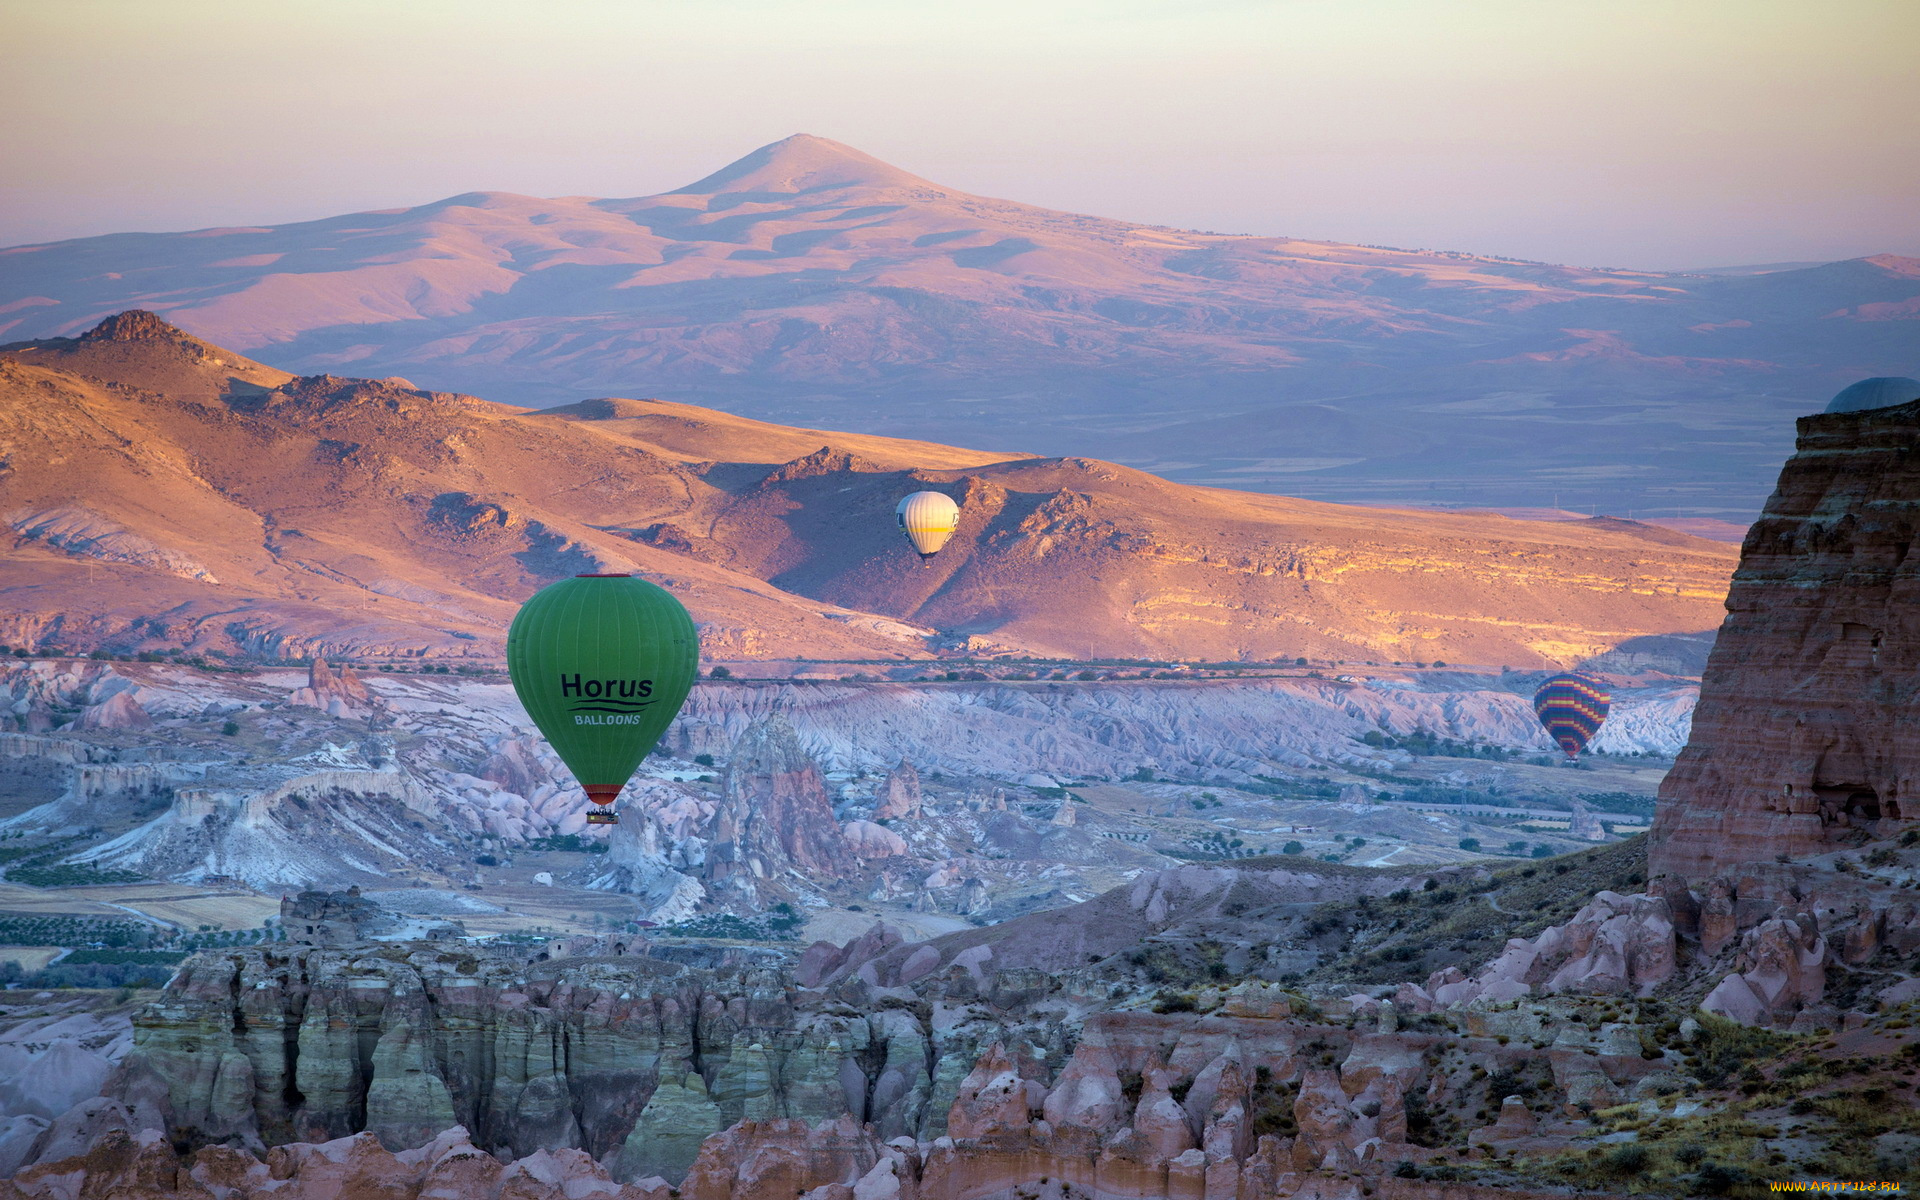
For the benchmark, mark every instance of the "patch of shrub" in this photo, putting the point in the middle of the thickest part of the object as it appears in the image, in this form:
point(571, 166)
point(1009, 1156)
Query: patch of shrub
point(571, 843)
point(86, 975)
point(47, 874)
point(1627, 1159)
point(1713, 1179)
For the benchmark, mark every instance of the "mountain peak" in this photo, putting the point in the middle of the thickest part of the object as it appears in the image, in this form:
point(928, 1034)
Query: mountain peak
point(139, 349)
point(804, 163)
point(135, 325)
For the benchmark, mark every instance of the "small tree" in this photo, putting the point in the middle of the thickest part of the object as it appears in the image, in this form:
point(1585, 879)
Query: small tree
point(720, 673)
point(1293, 848)
point(1469, 843)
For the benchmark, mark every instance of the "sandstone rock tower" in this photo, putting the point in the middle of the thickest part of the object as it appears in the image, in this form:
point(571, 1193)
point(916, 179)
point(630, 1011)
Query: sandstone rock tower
point(340, 693)
point(900, 797)
point(1803, 741)
point(774, 813)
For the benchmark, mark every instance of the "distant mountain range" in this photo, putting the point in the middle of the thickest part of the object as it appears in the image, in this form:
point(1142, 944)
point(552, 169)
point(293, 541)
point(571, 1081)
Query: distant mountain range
point(159, 491)
point(809, 283)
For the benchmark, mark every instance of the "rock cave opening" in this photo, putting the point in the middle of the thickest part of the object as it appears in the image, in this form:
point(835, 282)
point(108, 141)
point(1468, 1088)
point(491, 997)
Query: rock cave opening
point(1863, 806)
point(1855, 805)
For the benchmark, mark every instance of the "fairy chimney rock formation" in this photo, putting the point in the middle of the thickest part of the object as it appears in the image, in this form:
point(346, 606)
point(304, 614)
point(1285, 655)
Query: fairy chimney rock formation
point(774, 813)
point(1581, 823)
point(1798, 746)
point(340, 693)
point(900, 795)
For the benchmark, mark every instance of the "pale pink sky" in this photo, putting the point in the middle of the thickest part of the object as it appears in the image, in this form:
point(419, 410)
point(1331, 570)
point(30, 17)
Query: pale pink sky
point(1643, 133)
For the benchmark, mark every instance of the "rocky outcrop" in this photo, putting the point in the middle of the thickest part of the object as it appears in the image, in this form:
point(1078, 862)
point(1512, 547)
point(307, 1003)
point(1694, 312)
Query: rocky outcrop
point(774, 815)
point(1190, 897)
point(865, 839)
point(332, 827)
point(899, 797)
point(631, 1058)
point(594, 1064)
point(1582, 824)
point(339, 693)
point(1780, 972)
point(1801, 741)
point(332, 918)
point(1614, 946)
point(791, 1158)
point(645, 860)
point(518, 765)
point(1071, 730)
point(144, 1166)
point(993, 1100)
point(118, 711)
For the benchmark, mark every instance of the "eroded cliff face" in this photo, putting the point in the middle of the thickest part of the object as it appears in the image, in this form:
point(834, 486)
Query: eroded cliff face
point(1150, 1043)
point(735, 1083)
point(632, 1059)
point(1802, 741)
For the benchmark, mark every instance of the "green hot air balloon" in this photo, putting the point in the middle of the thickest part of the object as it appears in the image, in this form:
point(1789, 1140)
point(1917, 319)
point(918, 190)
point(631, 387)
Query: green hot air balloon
point(602, 664)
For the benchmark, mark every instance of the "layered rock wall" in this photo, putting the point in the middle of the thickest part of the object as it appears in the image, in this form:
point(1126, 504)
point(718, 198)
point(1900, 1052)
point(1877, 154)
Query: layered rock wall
point(632, 1059)
point(1802, 740)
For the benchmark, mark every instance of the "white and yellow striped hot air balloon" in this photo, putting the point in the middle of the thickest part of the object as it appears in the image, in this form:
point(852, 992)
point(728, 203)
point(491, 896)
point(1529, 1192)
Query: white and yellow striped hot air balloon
point(928, 519)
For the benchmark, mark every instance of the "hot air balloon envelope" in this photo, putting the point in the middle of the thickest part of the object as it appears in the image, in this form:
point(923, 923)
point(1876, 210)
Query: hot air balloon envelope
point(602, 664)
point(928, 519)
point(1882, 391)
point(1571, 707)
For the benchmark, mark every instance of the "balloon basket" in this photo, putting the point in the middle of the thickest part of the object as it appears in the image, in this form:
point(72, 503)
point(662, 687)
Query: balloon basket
point(603, 818)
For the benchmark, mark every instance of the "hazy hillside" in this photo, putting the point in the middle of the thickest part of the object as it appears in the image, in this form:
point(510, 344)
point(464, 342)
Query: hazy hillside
point(810, 283)
point(161, 491)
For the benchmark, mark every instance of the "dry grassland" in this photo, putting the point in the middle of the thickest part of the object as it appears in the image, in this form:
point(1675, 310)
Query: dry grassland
point(188, 905)
point(30, 958)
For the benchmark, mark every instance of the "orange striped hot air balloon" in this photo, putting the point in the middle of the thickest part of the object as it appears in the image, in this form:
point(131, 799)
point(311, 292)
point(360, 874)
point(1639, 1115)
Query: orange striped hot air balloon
point(1571, 707)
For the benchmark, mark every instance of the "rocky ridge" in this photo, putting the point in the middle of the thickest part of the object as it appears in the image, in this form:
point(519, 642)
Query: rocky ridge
point(234, 510)
point(1267, 362)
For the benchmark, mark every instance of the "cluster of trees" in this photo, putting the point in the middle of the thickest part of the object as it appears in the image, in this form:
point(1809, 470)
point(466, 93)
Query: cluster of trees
point(780, 923)
point(570, 842)
point(85, 975)
point(92, 932)
point(1428, 745)
point(1540, 849)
